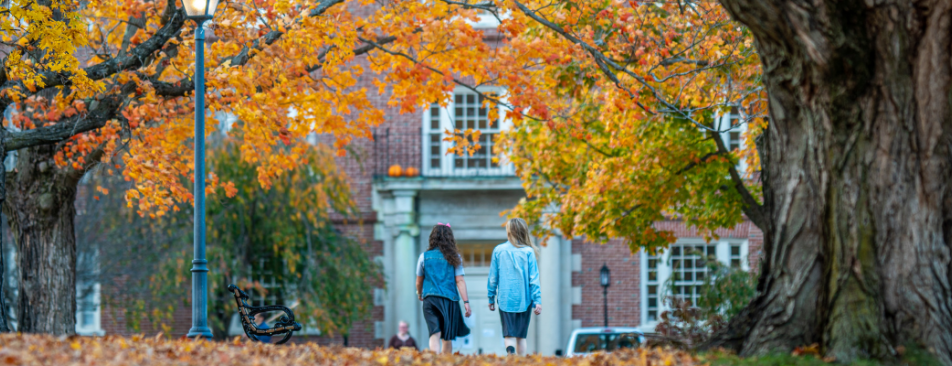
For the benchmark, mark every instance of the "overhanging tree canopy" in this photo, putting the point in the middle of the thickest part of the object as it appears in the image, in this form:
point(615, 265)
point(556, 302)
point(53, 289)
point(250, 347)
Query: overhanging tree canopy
point(97, 81)
point(855, 163)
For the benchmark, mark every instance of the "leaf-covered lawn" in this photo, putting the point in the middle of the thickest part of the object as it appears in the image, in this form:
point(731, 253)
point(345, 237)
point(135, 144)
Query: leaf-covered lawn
point(111, 350)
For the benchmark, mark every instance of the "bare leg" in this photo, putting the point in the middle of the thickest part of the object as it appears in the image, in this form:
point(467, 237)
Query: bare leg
point(521, 346)
point(435, 342)
point(447, 346)
point(510, 342)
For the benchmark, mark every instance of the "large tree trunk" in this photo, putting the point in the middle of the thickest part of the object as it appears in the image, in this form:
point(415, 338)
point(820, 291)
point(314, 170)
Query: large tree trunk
point(40, 209)
point(857, 178)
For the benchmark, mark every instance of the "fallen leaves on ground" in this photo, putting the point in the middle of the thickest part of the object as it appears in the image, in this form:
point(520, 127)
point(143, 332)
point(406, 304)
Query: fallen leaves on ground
point(137, 350)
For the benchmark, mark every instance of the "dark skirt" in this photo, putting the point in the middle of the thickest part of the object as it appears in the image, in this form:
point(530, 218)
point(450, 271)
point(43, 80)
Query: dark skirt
point(515, 324)
point(443, 316)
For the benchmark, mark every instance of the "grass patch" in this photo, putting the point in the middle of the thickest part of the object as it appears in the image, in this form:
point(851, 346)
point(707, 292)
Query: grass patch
point(911, 357)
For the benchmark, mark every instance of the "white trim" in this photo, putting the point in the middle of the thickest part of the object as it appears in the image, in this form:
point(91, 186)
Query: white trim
point(94, 329)
point(576, 295)
point(723, 122)
point(643, 289)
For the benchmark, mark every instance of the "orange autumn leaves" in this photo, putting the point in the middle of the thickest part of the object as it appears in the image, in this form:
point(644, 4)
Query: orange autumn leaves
point(614, 108)
point(31, 350)
point(612, 105)
point(277, 71)
point(608, 100)
point(615, 134)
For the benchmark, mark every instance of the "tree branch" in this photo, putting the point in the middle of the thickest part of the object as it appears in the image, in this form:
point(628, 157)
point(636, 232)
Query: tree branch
point(133, 59)
point(182, 88)
point(242, 57)
point(753, 209)
point(108, 108)
point(102, 111)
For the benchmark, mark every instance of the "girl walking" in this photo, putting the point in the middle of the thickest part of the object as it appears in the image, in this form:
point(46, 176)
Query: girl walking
point(439, 285)
point(514, 285)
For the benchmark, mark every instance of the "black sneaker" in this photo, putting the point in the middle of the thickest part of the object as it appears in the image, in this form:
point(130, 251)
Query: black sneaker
point(511, 350)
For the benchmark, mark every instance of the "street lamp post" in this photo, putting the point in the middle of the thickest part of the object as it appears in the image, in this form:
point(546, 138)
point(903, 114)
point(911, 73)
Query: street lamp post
point(606, 279)
point(200, 11)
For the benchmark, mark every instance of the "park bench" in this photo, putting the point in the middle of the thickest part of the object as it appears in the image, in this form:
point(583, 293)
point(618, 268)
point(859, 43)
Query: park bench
point(285, 325)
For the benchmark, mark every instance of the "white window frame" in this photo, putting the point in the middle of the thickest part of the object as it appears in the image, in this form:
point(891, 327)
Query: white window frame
point(94, 329)
point(447, 166)
point(723, 252)
point(723, 123)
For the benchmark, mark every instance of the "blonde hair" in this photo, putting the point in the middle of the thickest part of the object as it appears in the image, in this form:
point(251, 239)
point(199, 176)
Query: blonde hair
point(518, 232)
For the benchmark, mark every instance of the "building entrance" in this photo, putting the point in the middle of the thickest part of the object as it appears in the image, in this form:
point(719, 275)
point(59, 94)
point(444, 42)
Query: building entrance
point(486, 331)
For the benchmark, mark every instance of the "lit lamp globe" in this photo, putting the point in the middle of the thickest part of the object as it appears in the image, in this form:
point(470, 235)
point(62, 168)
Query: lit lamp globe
point(200, 9)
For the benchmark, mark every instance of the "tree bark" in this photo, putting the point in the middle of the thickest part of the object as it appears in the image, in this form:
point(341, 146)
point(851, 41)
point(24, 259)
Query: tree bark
point(858, 186)
point(40, 209)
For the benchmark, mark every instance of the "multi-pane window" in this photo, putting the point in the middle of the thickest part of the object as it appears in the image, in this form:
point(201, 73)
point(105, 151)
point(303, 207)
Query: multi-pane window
point(734, 116)
point(688, 270)
point(735, 256)
point(435, 139)
point(681, 270)
point(733, 125)
point(470, 112)
point(652, 288)
point(273, 288)
point(88, 309)
point(467, 110)
point(476, 254)
point(731, 128)
point(734, 141)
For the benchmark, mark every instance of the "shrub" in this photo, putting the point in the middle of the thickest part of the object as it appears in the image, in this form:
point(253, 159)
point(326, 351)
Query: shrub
point(723, 294)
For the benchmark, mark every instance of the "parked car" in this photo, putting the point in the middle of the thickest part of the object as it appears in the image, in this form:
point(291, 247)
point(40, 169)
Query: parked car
point(588, 340)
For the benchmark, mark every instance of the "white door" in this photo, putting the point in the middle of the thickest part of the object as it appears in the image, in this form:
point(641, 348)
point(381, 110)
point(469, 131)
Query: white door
point(485, 329)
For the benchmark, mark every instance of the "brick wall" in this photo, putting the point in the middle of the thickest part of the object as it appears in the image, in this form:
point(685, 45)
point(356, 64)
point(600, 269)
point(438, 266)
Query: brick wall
point(755, 240)
point(113, 319)
point(624, 308)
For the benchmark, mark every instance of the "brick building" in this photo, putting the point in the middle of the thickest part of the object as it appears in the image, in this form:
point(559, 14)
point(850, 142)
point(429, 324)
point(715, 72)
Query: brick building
point(469, 192)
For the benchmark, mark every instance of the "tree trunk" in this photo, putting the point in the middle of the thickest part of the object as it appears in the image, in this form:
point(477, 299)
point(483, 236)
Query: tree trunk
point(40, 209)
point(857, 179)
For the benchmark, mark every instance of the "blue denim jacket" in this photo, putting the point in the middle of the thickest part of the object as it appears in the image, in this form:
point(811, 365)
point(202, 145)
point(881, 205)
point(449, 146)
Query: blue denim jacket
point(439, 277)
point(514, 274)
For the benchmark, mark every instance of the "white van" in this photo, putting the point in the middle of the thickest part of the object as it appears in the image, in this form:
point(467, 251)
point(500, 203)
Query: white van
point(588, 340)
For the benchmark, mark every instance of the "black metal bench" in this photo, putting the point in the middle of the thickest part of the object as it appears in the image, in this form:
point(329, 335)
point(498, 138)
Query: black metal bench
point(285, 325)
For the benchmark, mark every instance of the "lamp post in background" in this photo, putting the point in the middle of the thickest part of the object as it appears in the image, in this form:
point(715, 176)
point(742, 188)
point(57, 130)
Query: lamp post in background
point(606, 279)
point(200, 11)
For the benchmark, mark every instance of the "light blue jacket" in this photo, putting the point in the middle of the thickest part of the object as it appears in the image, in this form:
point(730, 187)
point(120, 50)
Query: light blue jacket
point(514, 275)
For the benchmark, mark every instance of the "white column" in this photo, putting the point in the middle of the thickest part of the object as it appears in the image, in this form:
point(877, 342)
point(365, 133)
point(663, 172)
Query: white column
point(403, 283)
point(549, 335)
point(565, 287)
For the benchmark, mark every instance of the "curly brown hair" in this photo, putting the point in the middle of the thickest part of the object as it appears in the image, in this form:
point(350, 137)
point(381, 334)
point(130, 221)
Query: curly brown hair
point(441, 237)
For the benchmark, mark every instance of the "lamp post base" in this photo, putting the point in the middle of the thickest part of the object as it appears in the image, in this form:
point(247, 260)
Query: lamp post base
point(203, 332)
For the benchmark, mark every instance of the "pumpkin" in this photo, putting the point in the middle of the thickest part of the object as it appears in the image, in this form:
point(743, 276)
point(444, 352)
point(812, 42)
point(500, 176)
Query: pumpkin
point(395, 170)
point(411, 172)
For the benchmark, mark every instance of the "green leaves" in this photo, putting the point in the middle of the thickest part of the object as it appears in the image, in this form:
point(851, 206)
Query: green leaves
point(284, 233)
